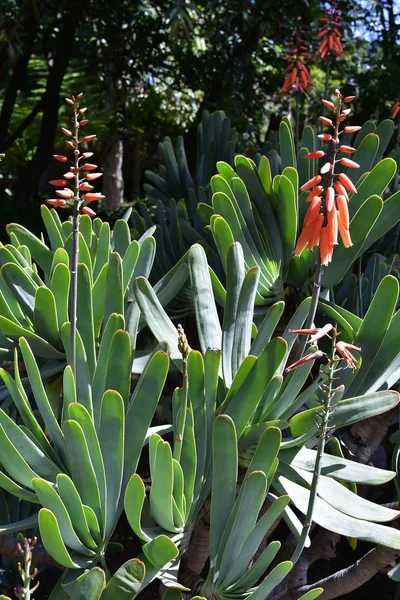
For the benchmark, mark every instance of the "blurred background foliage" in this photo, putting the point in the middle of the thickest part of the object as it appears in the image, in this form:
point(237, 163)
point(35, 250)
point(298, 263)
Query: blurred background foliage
point(150, 68)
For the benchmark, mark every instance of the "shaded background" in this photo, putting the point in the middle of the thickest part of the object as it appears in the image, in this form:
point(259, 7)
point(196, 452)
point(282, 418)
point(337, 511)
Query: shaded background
point(149, 68)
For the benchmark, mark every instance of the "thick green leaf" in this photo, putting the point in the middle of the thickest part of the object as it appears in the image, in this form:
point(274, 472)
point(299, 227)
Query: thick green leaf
point(82, 469)
point(45, 317)
point(328, 517)
point(112, 440)
point(208, 325)
point(141, 409)
point(52, 540)
point(41, 398)
point(52, 501)
point(126, 581)
point(347, 411)
point(224, 476)
point(72, 502)
point(235, 276)
point(92, 585)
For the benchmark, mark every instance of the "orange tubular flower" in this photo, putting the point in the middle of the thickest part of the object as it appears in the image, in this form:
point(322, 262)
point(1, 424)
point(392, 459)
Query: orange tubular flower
point(298, 78)
point(306, 359)
point(343, 348)
point(395, 110)
point(327, 218)
point(330, 36)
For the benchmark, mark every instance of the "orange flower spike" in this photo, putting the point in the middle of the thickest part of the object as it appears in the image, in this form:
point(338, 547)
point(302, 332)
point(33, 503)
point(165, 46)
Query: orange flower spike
point(332, 226)
point(347, 183)
point(317, 191)
point(311, 183)
point(344, 233)
point(303, 240)
point(313, 211)
point(330, 198)
point(343, 210)
point(315, 229)
point(339, 187)
point(325, 247)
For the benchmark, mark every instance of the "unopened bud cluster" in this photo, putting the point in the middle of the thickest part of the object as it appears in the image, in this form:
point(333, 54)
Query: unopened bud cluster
point(298, 77)
point(328, 213)
point(76, 187)
point(330, 36)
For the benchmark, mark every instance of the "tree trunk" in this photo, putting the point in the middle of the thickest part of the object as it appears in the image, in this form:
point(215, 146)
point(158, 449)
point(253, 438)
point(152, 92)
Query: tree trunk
point(18, 76)
point(113, 182)
point(65, 41)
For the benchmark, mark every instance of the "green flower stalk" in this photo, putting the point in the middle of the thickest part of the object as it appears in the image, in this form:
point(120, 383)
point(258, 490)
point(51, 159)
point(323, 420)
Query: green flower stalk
point(76, 192)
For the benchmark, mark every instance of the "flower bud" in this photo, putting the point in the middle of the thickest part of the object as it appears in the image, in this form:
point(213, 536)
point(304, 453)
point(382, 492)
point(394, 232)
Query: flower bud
point(58, 182)
point(351, 129)
point(88, 211)
point(92, 176)
point(311, 183)
point(87, 138)
point(347, 149)
point(330, 198)
point(326, 137)
point(57, 202)
point(87, 154)
point(315, 154)
point(82, 110)
point(60, 157)
point(85, 186)
point(79, 96)
point(70, 144)
point(69, 100)
point(93, 197)
point(348, 184)
point(326, 121)
point(89, 167)
point(67, 193)
point(83, 122)
point(349, 163)
point(326, 168)
point(66, 131)
point(348, 99)
point(69, 175)
point(328, 103)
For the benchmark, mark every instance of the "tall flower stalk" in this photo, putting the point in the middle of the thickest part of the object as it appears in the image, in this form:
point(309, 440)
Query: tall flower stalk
point(330, 43)
point(327, 216)
point(76, 192)
point(339, 351)
point(298, 78)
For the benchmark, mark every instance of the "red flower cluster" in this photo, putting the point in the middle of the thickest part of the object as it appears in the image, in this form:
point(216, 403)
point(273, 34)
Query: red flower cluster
point(298, 78)
point(395, 110)
point(75, 181)
point(324, 220)
point(330, 44)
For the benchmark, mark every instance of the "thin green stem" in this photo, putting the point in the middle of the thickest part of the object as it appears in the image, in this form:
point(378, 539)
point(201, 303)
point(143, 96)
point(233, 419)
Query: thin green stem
point(75, 247)
point(297, 121)
point(326, 413)
point(359, 288)
point(184, 392)
point(326, 88)
point(313, 306)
